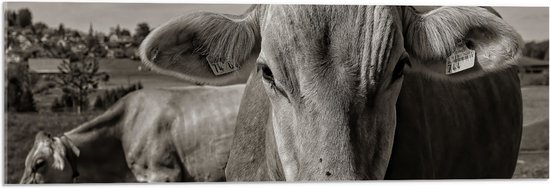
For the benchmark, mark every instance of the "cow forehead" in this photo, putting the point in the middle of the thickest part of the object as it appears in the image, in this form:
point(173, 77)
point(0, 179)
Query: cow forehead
point(348, 40)
point(301, 26)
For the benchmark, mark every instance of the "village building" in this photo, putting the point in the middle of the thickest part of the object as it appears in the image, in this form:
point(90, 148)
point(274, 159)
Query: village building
point(533, 66)
point(45, 67)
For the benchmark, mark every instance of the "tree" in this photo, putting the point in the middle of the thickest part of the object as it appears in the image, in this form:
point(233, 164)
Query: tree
point(78, 79)
point(14, 92)
point(142, 30)
point(117, 30)
point(76, 34)
point(20, 97)
point(27, 103)
point(61, 30)
point(11, 18)
point(537, 50)
point(99, 104)
point(39, 29)
point(125, 32)
point(19, 90)
point(24, 17)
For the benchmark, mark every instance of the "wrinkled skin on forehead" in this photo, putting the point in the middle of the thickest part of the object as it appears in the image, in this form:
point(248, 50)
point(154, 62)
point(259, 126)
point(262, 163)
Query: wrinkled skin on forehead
point(327, 99)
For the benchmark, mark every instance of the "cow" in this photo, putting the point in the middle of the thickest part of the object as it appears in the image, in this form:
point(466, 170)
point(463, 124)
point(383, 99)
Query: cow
point(160, 135)
point(357, 92)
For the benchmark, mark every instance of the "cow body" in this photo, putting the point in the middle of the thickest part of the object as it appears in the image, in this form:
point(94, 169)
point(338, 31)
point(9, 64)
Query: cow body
point(357, 92)
point(160, 136)
point(443, 132)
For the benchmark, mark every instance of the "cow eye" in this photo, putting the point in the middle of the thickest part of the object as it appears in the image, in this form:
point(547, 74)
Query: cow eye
point(398, 70)
point(266, 72)
point(268, 77)
point(38, 164)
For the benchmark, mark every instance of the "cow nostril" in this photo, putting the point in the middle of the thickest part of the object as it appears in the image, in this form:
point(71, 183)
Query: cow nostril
point(328, 173)
point(320, 159)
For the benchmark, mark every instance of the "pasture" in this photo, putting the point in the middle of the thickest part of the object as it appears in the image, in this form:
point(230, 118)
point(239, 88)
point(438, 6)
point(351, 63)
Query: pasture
point(126, 71)
point(21, 129)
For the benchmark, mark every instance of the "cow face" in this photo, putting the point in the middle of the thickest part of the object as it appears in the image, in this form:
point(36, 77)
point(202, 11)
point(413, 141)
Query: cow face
point(329, 76)
point(47, 161)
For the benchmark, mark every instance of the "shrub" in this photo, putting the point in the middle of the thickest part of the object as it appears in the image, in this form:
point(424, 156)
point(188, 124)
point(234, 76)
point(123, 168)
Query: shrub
point(27, 103)
point(111, 96)
point(19, 95)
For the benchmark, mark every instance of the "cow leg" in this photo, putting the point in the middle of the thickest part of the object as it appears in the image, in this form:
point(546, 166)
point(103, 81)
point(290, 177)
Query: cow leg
point(157, 169)
point(155, 160)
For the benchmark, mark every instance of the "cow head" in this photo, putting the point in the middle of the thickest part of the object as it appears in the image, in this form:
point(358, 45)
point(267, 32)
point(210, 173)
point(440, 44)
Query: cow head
point(51, 160)
point(328, 76)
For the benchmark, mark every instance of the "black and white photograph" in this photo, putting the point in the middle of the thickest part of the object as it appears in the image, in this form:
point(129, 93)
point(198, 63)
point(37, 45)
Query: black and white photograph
point(155, 92)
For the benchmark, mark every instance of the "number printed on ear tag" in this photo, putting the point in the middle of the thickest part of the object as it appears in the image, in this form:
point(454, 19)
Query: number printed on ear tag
point(462, 59)
point(220, 67)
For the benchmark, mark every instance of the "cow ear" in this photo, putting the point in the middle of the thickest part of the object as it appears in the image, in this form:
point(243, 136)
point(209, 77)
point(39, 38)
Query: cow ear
point(203, 47)
point(69, 144)
point(460, 43)
point(58, 154)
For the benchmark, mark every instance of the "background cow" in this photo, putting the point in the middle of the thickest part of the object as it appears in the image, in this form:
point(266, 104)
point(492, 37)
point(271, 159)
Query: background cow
point(147, 136)
point(357, 92)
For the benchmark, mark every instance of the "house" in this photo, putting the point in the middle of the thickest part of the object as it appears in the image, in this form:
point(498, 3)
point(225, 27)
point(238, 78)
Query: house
point(529, 65)
point(13, 58)
point(115, 53)
point(45, 66)
point(78, 47)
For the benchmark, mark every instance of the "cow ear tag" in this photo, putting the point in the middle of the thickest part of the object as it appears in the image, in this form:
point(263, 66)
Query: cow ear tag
point(220, 67)
point(460, 60)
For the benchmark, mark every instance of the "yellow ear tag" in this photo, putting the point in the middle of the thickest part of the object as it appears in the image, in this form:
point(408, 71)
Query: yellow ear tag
point(462, 59)
point(220, 67)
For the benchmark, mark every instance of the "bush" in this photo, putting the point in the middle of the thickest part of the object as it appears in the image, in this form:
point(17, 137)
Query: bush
point(99, 104)
point(19, 96)
point(13, 94)
point(66, 103)
point(537, 50)
point(57, 105)
point(111, 96)
point(27, 103)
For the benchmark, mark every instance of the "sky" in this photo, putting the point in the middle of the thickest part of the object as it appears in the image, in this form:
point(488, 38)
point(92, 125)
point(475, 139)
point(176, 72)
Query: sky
point(103, 16)
point(530, 22)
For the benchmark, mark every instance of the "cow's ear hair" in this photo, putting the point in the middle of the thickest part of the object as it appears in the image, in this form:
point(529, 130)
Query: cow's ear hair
point(187, 47)
point(431, 38)
point(59, 154)
point(69, 144)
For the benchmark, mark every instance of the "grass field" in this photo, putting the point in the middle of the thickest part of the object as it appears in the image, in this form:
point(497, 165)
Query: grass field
point(125, 72)
point(21, 128)
point(533, 158)
point(535, 103)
